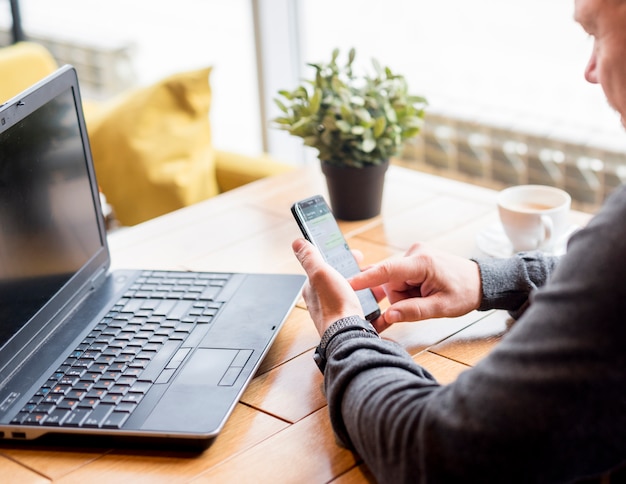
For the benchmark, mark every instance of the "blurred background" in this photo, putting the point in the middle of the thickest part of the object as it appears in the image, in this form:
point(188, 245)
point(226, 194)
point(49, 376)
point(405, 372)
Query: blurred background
point(508, 102)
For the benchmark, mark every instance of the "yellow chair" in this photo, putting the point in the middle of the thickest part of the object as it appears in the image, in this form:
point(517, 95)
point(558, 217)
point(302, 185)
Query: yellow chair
point(151, 146)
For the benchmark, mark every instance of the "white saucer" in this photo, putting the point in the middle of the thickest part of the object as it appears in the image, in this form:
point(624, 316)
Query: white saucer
point(493, 241)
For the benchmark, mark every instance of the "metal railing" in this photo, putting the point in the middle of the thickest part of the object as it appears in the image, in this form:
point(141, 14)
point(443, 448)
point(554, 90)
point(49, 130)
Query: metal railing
point(587, 165)
point(103, 69)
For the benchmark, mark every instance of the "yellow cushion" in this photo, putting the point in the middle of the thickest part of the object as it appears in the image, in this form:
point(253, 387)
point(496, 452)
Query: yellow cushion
point(235, 169)
point(152, 147)
point(22, 65)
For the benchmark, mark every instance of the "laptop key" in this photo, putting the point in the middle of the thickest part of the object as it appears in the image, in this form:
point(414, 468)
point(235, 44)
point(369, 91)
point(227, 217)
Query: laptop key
point(89, 403)
point(132, 398)
point(210, 292)
point(44, 408)
point(19, 418)
point(76, 417)
point(111, 398)
point(115, 420)
point(98, 415)
point(57, 417)
point(127, 407)
point(132, 306)
point(35, 419)
point(140, 387)
point(126, 380)
point(180, 310)
point(68, 403)
point(164, 308)
point(161, 359)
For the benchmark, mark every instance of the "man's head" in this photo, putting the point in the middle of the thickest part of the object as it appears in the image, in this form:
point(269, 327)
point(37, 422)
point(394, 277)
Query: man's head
point(605, 22)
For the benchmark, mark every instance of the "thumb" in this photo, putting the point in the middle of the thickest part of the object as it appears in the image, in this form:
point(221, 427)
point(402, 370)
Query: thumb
point(306, 253)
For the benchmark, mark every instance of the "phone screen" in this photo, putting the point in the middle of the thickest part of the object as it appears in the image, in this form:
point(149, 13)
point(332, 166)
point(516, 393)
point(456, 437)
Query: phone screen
point(318, 225)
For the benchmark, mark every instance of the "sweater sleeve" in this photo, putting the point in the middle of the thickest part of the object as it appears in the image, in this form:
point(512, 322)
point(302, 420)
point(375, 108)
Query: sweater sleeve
point(546, 405)
point(508, 283)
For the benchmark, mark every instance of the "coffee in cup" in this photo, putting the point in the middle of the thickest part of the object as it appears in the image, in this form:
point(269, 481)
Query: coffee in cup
point(534, 216)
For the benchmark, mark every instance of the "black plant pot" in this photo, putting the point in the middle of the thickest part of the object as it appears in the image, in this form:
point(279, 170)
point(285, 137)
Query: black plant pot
point(355, 193)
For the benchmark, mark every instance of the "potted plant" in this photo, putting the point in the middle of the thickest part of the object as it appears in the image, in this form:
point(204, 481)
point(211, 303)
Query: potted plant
point(356, 123)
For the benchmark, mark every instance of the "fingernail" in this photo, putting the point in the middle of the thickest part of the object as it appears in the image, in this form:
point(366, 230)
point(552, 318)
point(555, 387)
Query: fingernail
point(391, 316)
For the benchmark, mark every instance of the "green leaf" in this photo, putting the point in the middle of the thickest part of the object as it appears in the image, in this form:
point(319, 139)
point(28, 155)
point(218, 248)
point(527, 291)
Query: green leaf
point(281, 106)
point(336, 84)
point(301, 93)
point(344, 126)
point(346, 113)
point(282, 120)
point(299, 127)
point(410, 133)
point(368, 145)
point(379, 126)
point(417, 100)
point(316, 100)
point(357, 130)
point(285, 94)
point(310, 140)
point(377, 68)
point(351, 56)
point(357, 100)
point(364, 116)
point(390, 113)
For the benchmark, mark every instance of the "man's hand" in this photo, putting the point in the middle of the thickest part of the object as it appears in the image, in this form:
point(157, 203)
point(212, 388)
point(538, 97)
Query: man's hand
point(327, 293)
point(423, 284)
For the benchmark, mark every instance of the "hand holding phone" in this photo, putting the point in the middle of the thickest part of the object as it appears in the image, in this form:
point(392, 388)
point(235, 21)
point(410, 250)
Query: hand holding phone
point(318, 226)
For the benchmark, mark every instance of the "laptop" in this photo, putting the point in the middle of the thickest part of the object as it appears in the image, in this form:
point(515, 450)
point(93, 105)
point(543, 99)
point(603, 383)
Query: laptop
point(93, 355)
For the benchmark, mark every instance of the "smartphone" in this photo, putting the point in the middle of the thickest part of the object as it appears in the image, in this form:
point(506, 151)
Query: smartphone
point(318, 225)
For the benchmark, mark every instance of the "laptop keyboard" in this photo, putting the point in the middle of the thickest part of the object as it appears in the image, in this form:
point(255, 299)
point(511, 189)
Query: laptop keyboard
point(137, 344)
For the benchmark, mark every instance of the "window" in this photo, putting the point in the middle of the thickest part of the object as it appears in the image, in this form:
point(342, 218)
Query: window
point(160, 38)
point(519, 61)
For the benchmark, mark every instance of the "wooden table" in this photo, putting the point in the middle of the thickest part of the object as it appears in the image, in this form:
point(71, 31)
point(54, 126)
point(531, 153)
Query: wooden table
point(280, 431)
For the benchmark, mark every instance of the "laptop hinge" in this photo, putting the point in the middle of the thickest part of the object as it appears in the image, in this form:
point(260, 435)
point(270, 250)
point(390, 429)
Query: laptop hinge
point(99, 277)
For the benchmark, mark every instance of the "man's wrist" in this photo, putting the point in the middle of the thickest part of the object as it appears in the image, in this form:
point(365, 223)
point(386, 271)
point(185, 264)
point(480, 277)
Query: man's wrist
point(340, 326)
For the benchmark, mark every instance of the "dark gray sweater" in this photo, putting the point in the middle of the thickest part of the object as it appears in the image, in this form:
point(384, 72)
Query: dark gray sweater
point(547, 405)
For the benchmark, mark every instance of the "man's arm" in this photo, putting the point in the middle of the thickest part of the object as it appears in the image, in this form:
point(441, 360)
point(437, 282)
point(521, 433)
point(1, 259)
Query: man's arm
point(508, 283)
point(546, 405)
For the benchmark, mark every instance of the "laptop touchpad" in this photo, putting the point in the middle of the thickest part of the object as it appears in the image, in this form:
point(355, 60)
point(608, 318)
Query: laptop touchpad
point(207, 366)
point(195, 401)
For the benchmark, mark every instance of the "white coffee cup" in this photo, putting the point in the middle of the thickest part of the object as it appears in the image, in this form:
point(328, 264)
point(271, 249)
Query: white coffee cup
point(534, 216)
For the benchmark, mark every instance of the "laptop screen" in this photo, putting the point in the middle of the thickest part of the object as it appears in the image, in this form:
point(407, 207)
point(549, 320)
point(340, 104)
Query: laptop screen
point(47, 213)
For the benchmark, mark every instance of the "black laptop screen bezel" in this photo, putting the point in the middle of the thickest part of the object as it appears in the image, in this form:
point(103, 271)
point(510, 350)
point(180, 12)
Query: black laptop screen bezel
point(28, 338)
